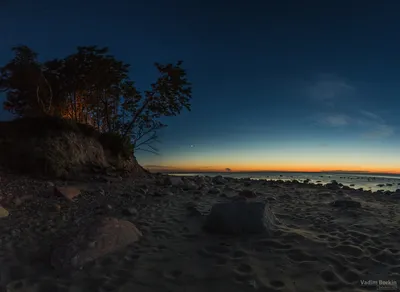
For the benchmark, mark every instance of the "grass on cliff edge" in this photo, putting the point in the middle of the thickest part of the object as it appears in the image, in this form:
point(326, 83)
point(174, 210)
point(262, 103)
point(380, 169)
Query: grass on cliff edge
point(52, 145)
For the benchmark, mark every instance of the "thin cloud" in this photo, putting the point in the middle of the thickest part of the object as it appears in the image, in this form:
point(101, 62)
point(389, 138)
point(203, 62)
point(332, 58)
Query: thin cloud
point(160, 166)
point(372, 116)
point(370, 125)
point(377, 126)
point(379, 132)
point(228, 169)
point(327, 91)
point(336, 120)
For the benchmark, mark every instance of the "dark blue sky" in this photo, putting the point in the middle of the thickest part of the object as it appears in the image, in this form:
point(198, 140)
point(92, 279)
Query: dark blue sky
point(277, 84)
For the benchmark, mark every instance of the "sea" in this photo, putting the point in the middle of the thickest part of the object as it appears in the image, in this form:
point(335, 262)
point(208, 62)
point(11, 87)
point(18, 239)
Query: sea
point(367, 181)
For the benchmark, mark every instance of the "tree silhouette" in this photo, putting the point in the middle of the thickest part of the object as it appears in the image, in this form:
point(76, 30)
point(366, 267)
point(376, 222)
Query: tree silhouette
point(91, 86)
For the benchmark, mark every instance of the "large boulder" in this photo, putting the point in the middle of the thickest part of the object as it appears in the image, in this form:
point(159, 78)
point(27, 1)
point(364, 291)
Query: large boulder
point(240, 217)
point(94, 241)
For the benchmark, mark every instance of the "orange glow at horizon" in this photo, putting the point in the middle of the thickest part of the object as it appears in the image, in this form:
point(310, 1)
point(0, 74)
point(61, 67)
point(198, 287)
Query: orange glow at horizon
point(283, 168)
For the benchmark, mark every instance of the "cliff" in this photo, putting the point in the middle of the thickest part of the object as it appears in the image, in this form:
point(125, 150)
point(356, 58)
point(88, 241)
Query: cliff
point(55, 147)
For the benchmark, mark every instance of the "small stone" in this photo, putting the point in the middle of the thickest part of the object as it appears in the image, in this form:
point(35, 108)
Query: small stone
point(214, 191)
point(17, 201)
point(92, 244)
point(3, 212)
point(142, 191)
point(345, 204)
point(218, 180)
point(130, 211)
point(67, 192)
point(248, 194)
point(56, 207)
point(174, 181)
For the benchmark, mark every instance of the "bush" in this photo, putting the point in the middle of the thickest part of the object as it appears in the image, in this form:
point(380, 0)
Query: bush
point(49, 125)
point(116, 144)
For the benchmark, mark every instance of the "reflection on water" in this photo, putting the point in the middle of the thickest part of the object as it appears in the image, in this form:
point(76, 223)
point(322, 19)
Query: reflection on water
point(368, 181)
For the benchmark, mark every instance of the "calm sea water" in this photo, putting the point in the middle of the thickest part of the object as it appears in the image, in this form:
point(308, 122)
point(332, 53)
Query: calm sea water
point(367, 181)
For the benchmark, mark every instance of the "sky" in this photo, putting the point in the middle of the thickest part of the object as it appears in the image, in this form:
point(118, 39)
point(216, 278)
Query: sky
point(277, 85)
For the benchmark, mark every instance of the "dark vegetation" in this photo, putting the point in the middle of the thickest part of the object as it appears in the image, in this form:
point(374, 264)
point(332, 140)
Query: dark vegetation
point(84, 108)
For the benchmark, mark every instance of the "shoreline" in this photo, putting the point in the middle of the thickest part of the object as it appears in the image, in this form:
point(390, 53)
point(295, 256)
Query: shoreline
point(373, 184)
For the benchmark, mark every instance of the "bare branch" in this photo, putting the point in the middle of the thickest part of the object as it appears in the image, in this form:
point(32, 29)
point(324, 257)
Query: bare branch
point(151, 151)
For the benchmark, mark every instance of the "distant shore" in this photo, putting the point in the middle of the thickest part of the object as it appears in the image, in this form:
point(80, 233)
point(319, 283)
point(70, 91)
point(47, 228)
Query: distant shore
point(277, 171)
point(366, 181)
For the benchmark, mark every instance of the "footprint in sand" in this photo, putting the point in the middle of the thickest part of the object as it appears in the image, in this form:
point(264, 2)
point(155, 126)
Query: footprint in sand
point(277, 284)
point(243, 273)
point(269, 243)
point(386, 257)
point(172, 275)
point(349, 250)
point(298, 255)
point(351, 276)
point(218, 249)
point(238, 255)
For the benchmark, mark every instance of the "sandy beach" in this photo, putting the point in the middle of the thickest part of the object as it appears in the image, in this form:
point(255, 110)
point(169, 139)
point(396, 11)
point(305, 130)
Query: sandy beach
point(314, 244)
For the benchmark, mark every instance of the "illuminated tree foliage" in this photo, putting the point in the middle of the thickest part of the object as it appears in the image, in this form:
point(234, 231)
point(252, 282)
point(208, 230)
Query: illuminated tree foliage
point(91, 86)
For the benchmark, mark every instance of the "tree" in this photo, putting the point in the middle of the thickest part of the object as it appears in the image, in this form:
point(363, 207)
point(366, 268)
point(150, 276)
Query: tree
point(93, 87)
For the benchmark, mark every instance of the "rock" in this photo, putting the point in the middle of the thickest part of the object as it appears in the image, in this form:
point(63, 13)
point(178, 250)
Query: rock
point(167, 193)
point(67, 192)
point(189, 185)
point(346, 188)
point(389, 185)
point(3, 212)
point(380, 185)
point(130, 211)
point(345, 204)
point(162, 193)
point(248, 194)
point(214, 191)
point(333, 185)
point(142, 191)
point(94, 241)
point(240, 217)
point(55, 207)
point(174, 181)
point(218, 180)
point(17, 201)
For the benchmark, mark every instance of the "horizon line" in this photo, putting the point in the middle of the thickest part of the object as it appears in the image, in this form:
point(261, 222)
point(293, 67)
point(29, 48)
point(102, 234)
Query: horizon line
point(272, 171)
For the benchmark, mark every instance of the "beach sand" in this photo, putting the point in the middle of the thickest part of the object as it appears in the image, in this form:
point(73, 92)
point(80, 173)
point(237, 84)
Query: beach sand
point(314, 247)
